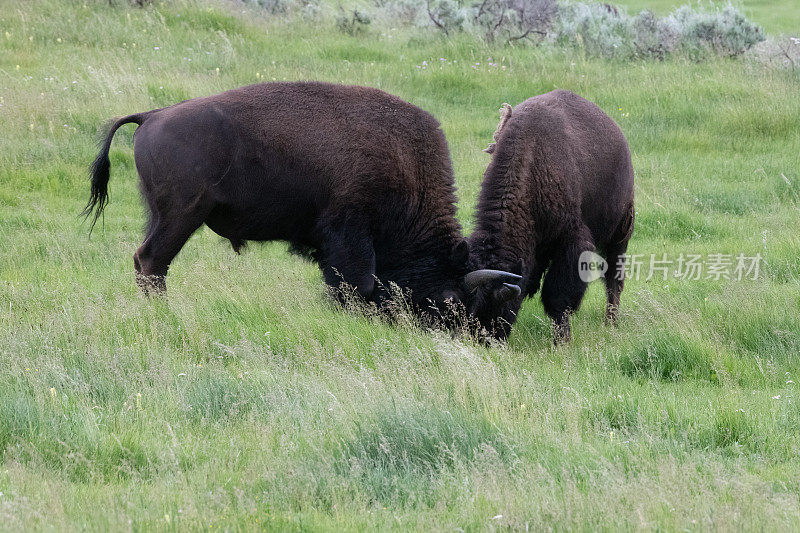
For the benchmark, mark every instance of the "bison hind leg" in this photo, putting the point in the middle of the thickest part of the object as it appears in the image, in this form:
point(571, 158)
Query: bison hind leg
point(615, 280)
point(615, 275)
point(150, 283)
point(165, 238)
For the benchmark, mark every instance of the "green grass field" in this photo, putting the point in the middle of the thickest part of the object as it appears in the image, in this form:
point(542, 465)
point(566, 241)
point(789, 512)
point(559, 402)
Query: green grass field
point(245, 401)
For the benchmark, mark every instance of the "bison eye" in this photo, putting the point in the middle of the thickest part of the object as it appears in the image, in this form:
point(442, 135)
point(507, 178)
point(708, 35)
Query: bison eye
point(451, 296)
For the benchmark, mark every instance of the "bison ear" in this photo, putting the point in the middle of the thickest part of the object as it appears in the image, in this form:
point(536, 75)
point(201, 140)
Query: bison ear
point(460, 254)
point(507, 292)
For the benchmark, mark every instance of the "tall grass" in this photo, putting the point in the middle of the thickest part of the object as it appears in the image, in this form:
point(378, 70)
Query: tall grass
point(245, 401)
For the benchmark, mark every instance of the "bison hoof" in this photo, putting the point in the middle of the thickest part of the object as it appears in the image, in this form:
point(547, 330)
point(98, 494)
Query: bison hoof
point(152, 285)
point(562, 334)
point(611, 316)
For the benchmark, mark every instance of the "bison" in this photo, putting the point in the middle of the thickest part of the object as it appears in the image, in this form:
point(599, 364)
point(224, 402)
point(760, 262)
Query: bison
point(560, 183)
point(352, 177)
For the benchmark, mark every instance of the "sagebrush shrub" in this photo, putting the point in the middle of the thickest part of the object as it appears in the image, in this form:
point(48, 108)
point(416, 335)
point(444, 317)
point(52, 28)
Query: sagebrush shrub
point(783, 52)
point(400, 12)
point(446, 15)
point(513, 20)
point(600, 29)
point(307, 8)
point(608, 31)
point(726, 32)
point(654, 37)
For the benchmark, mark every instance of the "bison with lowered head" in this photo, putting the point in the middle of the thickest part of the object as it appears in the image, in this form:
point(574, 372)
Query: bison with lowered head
point(560, 183)
point(358, 179)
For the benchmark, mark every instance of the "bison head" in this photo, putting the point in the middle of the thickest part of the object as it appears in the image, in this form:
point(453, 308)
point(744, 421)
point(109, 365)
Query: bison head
point(492, 297)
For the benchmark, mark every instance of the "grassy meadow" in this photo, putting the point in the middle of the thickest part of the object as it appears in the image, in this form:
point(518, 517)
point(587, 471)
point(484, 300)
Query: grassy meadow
point(245, 401)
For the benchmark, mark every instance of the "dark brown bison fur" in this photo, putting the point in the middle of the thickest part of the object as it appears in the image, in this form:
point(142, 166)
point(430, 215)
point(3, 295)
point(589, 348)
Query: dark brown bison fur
point(358, 179)
point(560, 183)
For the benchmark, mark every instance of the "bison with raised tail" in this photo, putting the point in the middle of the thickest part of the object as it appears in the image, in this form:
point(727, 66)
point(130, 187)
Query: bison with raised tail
point(560, 183)
point(358, 179)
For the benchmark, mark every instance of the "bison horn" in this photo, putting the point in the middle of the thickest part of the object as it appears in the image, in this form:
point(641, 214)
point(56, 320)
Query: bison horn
point(476, 278)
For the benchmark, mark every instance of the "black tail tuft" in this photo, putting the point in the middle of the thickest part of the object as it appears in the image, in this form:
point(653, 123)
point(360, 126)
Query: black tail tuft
point(98, 197)
point(100, 173)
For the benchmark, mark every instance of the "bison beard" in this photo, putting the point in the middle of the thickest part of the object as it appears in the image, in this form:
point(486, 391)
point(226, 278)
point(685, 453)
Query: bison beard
point(358, 179)
point(560, 183)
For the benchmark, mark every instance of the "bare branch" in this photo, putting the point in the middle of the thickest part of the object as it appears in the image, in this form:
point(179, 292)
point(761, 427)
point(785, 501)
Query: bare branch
point(480, 9)
point(436, 22)
point(785, 52)
point(524, 35)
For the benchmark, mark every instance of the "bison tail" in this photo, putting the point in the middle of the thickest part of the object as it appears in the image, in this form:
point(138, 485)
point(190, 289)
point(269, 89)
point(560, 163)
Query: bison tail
point(100, 171)
point(625, 229)
point(505, 114)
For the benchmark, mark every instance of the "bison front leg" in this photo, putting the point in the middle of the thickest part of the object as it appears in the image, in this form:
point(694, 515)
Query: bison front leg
point(348, 256)
point(563, 288)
